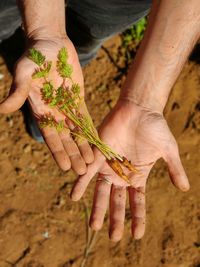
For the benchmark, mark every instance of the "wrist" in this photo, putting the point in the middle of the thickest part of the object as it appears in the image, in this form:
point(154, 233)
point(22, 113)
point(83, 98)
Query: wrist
point(149, 81)
point(145, 98)
point(43, 19)
point(143, 105)
point(44, 33)
point(132, 112)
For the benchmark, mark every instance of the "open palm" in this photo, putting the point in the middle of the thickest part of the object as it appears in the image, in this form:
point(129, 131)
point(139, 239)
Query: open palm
point(143, 137)
point(65, 151)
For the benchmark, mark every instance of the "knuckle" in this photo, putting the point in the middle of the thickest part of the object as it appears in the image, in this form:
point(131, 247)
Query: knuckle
point(140, 212)
point(119, 206)
point(98, 209)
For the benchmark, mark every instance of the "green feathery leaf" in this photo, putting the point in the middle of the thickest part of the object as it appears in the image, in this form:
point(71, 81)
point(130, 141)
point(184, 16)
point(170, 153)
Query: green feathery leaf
point(42, 72)
point(76, 89)
point(36, 56)
point(47, 121)
point(60, 126)
point(48, 66)
point(38, 74)
point(64, 69)
point(47, 91)
point(53, 102)
point(63, 55)
point(60, 92)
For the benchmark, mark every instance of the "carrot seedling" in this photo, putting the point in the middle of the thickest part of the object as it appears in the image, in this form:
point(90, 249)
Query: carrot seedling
point(66, 98)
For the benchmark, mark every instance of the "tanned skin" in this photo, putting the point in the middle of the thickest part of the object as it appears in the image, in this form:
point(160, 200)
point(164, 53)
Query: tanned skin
point(135, 127)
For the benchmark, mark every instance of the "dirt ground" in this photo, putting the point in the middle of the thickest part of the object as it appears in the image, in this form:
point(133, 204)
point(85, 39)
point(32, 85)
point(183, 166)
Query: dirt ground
point(41, 227)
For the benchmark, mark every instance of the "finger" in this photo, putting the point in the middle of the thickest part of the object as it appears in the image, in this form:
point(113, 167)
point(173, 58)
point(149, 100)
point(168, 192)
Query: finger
point(86, 151)
point(77, 161)
point(18, 95)
point(137, 206)
point(100, 203)
point(176, 171)
point(83, 181)
point(117, 212)
point(55, 145)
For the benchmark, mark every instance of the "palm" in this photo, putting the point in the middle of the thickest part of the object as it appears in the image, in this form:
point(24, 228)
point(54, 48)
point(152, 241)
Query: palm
point(143, 137)
point(64, 150)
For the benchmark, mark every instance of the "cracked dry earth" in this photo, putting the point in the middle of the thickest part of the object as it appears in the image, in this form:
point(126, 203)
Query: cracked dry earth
point(41, 227)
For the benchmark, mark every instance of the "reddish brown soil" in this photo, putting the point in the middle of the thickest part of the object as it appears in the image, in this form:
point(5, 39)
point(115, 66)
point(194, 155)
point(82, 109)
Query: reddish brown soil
point(41, 227)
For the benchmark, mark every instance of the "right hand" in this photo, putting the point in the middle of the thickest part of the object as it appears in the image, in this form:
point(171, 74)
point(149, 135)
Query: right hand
point(142, 136)
point(65, 151)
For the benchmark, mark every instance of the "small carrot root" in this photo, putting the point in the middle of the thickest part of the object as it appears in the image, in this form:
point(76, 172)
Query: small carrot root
point(115, 165)
point(128, 165)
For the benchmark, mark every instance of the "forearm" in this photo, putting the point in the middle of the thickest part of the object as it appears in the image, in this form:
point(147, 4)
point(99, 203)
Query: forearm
point(172, 31)
point(43, 18)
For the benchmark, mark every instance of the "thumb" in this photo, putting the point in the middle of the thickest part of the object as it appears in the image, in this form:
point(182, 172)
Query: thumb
point(83, 180)
point(176, 170)
point(20, 86)
point(17, 96)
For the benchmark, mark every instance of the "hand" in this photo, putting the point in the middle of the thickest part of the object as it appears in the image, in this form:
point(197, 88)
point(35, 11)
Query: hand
point(143, 137)
point(65, 151)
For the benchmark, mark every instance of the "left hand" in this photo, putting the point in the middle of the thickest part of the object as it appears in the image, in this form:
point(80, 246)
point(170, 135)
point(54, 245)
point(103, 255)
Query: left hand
point(66, 152)
point(142, 136)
